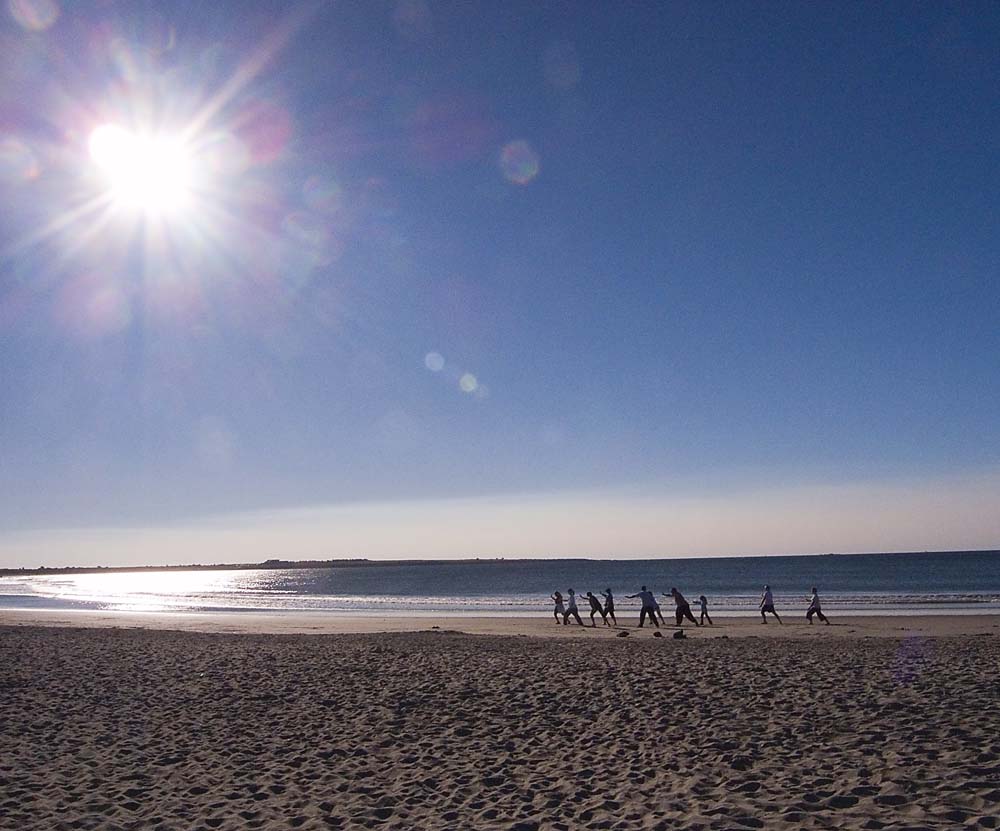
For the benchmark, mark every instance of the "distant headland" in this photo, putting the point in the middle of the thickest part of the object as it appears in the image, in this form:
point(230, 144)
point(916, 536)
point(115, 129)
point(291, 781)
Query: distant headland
point(355, 562)
point(362, 562)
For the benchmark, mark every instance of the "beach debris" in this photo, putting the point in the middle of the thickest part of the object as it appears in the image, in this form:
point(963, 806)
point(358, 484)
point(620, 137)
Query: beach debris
point(622, 635)
point(657, 634)
point(678, 635)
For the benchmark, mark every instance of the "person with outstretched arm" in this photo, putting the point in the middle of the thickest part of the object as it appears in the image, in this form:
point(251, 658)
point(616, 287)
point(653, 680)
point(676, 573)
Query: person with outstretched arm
point(767, 605)
point(683, 608)
point(648, 606)
point(814, 608)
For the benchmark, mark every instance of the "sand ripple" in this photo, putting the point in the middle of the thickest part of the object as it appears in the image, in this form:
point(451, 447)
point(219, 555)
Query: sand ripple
point(123, 729)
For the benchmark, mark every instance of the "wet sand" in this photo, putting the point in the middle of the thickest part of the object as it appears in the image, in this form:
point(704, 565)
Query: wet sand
point(306, 623)
point(156, 729)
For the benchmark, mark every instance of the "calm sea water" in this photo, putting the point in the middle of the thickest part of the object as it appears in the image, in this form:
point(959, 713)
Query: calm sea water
point(953, 583)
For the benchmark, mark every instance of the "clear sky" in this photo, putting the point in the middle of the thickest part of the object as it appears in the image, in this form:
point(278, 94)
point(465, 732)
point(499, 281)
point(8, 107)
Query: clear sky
point(501, 279)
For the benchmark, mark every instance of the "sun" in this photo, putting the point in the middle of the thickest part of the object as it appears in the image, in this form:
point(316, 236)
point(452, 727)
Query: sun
point(148, 174)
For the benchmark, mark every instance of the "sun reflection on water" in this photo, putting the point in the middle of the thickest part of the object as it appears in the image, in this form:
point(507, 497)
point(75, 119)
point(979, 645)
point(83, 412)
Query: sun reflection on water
point(144, 591)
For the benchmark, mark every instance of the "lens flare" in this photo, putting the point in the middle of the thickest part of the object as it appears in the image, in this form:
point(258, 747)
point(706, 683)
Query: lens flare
point(561, 65)
point(519, 162)
point(17, 161)
point(468, 383)
point(34, 15)
point(323, 194)
point(434, 361)
point(412, 20)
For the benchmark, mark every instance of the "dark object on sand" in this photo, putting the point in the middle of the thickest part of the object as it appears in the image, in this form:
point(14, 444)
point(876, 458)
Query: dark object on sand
point(657, 634)
point(679, 635)
point(622, 635)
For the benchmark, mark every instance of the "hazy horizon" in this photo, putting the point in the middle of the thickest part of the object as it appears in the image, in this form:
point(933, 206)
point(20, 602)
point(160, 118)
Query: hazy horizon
point(814, 519)
point(418, 279)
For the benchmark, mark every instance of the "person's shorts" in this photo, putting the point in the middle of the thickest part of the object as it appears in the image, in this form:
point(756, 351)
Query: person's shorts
point(769, 608)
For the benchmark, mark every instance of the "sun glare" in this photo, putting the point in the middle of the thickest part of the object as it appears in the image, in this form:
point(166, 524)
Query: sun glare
point(150, 174)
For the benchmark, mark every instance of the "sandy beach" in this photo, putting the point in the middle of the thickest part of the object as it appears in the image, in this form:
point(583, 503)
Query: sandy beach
point(129, 728)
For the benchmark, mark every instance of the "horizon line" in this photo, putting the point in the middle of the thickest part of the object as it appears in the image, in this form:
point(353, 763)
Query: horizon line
point(359, 562)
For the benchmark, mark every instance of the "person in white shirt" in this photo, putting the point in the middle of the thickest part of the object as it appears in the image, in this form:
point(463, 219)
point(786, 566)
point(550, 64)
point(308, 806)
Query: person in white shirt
point(571, 610)
point(814, 608)
point(560, 609)
point(648, 606)
point(767, 605)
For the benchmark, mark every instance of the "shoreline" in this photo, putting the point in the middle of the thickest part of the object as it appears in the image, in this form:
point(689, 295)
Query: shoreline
point(308, 623)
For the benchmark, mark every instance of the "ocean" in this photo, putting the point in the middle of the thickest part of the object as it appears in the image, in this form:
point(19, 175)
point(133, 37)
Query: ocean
point(942, 583)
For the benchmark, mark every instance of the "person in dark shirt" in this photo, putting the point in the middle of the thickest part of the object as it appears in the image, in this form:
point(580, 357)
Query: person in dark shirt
point(683, 608)
point(596, 609)
point(609, 606)
point(703, 602)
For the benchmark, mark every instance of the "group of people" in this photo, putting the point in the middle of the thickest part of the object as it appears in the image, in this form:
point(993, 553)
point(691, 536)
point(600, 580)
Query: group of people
point(566, 609)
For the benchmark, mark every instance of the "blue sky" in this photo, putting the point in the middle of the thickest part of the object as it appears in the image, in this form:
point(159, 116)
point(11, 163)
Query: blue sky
point(507, 263)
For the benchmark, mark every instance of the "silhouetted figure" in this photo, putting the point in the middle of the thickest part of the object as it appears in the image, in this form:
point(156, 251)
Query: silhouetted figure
point(571, 610)
point(559, 610)
point(814, 608)
point(683, 608)
point(596, 609)
point(649, 606)
point(767, 605)
point(659, 612)
point(703, 602)
point(609, 606)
